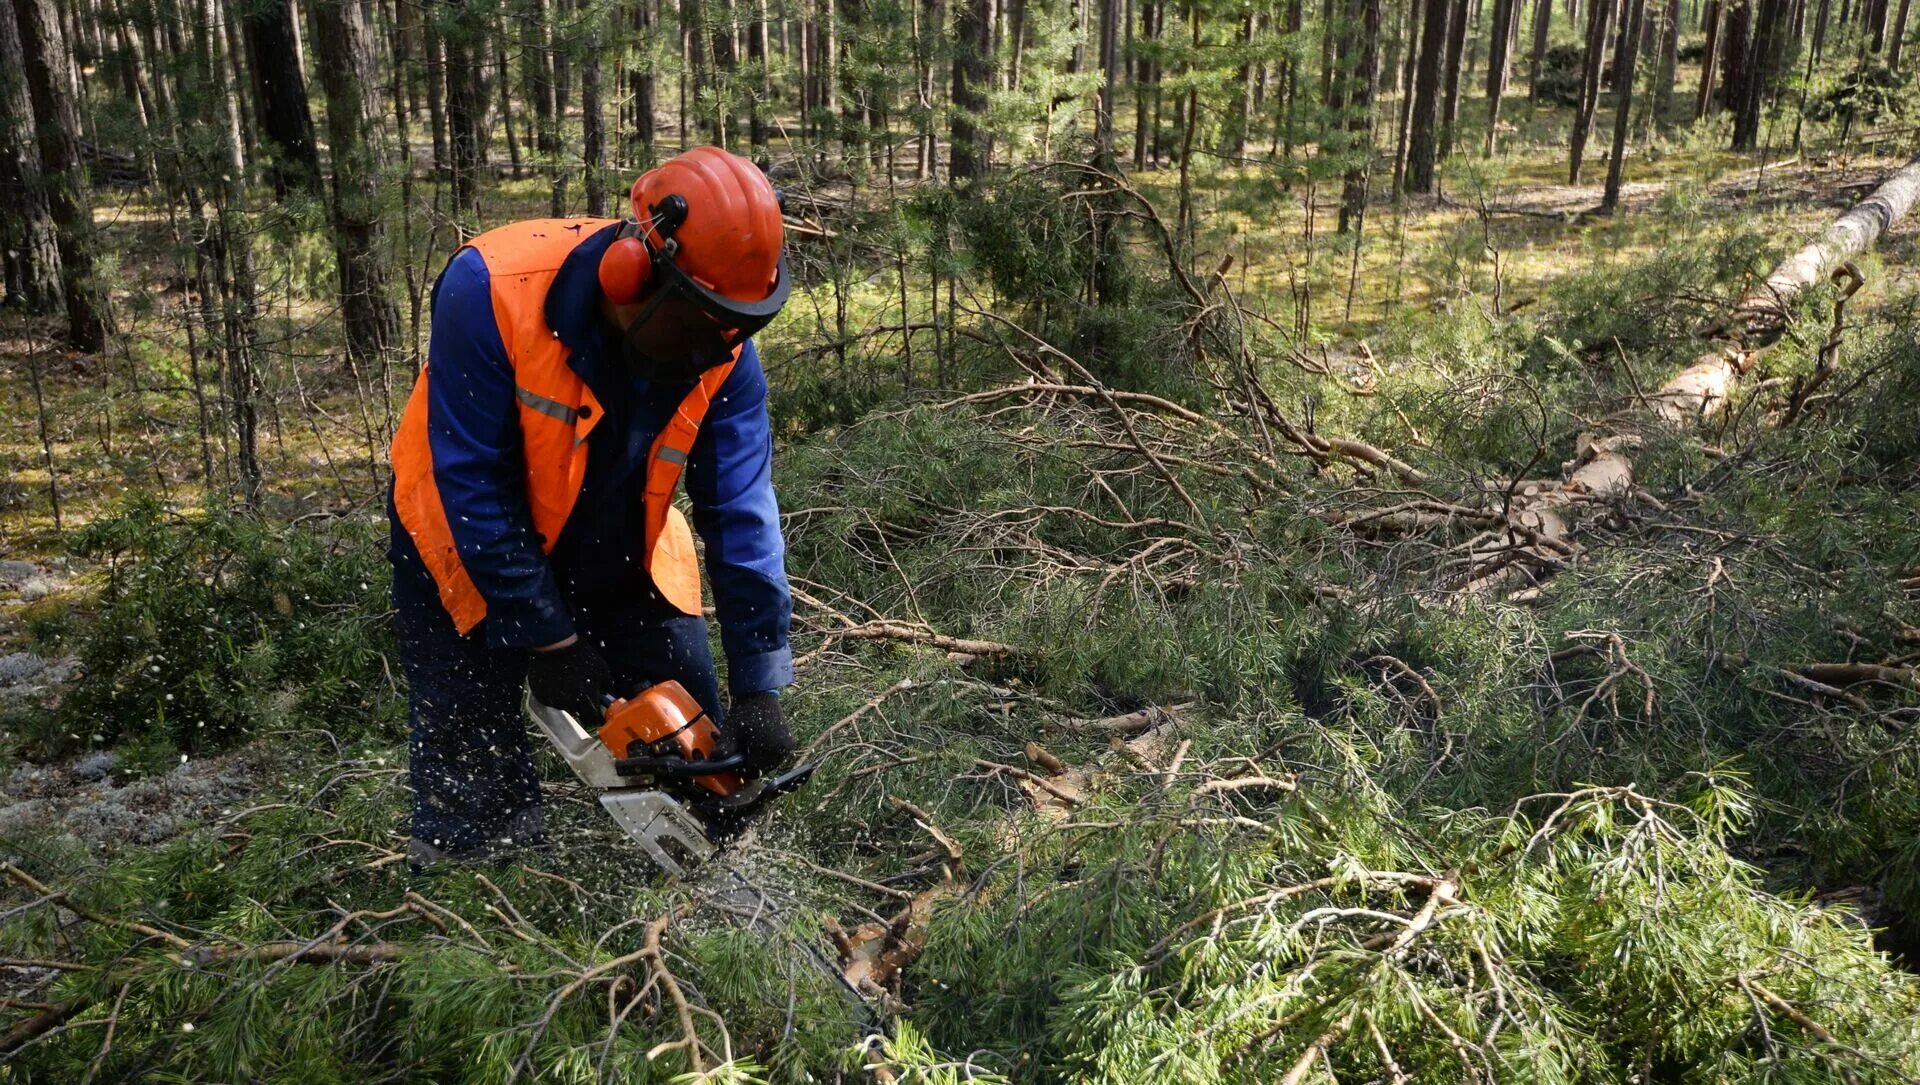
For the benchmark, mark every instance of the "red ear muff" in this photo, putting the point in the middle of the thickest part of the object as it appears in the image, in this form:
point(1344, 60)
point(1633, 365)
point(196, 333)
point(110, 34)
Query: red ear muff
point(624, 271)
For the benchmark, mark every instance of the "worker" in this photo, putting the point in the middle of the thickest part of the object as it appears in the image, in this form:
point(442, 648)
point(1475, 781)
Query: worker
point(577, 370)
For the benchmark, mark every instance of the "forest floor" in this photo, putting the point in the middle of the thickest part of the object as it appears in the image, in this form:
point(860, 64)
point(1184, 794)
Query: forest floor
point(1119, 721)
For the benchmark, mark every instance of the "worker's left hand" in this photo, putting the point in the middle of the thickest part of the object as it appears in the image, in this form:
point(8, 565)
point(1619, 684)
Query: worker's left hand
point(759, 730)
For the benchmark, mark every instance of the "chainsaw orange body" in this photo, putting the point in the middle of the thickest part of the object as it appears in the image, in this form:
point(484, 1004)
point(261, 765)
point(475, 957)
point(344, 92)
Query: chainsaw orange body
point(664, 720)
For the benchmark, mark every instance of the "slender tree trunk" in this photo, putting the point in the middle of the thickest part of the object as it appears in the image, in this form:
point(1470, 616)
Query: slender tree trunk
point(641, 81)
point(1409, 62)
point(1362, 87)
point(1899, 36)
point(504, 82)
point(31, 245)
point(1243, 112)
point(56, 120)
point(1623, 66)
point(1190, 127)
point(1599, 22)
point(593, 130)
point(1103, 134)
point(436, 94)
point(1710, 58)
point(343, 50)
point(1669, 63)
point(1820, 29)
point(1542, 23)
point(1733, 50)
point(1422, 141)
point(467, 101)
point(1450, 102)
point(1504, 16)
point(281, 93)
point(228, 257)
point(757, 59)
point(972, 75)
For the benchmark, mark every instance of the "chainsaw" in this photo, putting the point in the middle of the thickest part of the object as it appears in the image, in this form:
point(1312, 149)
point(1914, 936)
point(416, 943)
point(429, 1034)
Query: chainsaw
point(657, 764)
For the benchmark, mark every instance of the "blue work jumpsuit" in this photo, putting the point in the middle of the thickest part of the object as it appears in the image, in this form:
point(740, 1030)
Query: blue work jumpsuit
point(470, 759)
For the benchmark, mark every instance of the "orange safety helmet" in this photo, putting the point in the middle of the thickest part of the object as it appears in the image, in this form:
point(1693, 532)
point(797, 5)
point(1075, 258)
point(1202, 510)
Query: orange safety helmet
point(704, 251)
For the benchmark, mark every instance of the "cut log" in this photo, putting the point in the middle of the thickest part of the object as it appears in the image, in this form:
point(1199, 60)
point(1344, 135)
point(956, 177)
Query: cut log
point(1760, 317)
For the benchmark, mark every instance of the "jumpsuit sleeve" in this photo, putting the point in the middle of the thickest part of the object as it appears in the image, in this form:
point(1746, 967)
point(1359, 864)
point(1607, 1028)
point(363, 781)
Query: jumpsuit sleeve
point(473, 430)
point(730, 483)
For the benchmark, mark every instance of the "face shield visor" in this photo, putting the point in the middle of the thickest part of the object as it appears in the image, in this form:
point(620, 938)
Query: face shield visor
point(685, 329)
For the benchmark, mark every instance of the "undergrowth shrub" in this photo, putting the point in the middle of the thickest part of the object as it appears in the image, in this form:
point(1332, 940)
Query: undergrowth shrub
point(210, 628)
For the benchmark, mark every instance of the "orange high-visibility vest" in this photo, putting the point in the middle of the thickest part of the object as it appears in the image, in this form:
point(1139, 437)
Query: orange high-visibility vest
point(557, 413)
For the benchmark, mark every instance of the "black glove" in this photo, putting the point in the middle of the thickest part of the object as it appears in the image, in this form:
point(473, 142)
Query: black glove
point(573, 679)
point(760, 732)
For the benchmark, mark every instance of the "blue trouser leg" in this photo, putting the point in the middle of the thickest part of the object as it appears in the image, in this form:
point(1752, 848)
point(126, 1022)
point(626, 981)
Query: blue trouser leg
point(469, 758)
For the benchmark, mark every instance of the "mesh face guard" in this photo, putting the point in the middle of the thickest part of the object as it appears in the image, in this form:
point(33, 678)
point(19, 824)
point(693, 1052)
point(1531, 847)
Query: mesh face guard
point(685, 328)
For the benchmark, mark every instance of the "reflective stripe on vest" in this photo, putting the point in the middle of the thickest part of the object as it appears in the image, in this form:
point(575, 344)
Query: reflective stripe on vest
point(557, 411)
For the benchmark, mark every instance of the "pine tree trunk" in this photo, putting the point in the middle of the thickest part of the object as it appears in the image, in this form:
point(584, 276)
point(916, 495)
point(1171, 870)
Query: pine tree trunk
point(1669, 63)
point(1142, 89)
point(1599, 22)
point(32, 253)
point(1898, 41)
point(1711, 19)
point(1820, 29)
point(344, 55)
point(762, 100)
point(641, 81)
point(467, 95)
point(226, 250)
point(1749, 92)
point(1504, 13)
point(1363, 85)
point(1423, 126)
point(1623, 65)
point(63, 175)
point(280, 92)
point(1542, 23)
point(1103, 137)
point(1450, 102)
point(1408, 79)
point(1733, 50)
point(972, 75)
point(503, 81)
point(593, 130)
point(437, 96)
point(1243, 111)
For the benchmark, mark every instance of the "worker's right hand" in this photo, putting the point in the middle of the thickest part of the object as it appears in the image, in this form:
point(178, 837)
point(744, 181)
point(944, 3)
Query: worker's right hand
point(573, 678)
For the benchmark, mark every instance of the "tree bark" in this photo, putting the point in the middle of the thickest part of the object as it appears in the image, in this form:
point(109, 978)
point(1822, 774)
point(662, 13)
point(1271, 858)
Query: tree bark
point(1423, 125)
point(280, 91)
point(1899, 38)
point(467, 110)
point(344, 55)
point(1760, 317)
point(1623, 65)
point(1599, 22)
point(27, 232)
point(641, 81)
point(1504, 12)
point(1103, 136)
point(593, 130)
point(1709, 58)
point(1762, 61)
point(972, 75)
point(56, 117)
point(1542, 22)
point(1450, 107)
point(1363, 85)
